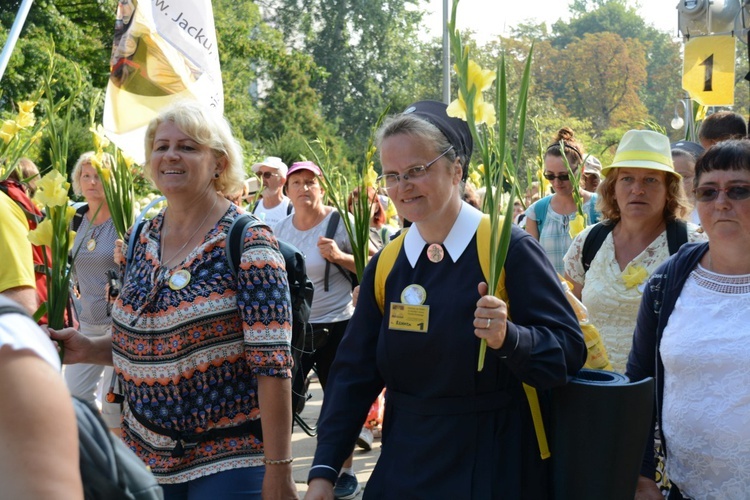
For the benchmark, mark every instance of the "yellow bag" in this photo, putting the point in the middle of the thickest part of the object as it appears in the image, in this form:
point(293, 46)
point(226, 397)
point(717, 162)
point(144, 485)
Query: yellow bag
point(597, 358)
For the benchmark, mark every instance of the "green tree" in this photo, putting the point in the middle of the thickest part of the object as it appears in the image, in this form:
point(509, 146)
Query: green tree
point(372, 55)
point(662, 87)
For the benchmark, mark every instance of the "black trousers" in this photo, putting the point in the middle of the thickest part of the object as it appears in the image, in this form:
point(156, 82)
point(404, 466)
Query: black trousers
point(322, 356)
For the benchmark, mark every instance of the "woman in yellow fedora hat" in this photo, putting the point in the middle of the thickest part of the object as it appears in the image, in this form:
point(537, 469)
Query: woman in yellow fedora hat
point(643, 205)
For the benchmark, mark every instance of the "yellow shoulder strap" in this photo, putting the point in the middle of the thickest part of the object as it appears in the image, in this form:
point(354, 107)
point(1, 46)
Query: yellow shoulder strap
point(386, 260)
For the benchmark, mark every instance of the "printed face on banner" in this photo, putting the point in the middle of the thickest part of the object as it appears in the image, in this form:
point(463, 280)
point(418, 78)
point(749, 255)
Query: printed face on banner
point(163, 51)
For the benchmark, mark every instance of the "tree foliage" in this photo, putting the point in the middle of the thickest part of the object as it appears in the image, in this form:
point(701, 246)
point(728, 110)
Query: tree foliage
point(298, 70)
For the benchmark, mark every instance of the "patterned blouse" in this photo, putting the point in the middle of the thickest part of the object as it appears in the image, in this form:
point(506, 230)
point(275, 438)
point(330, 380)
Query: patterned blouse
point(611, 295)
point(188, 358)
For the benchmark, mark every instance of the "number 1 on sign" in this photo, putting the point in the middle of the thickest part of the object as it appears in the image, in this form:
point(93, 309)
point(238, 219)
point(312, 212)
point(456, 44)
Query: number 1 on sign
point(708, 65)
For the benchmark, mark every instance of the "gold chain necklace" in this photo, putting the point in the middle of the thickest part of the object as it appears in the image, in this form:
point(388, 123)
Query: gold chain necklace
point(164, 236)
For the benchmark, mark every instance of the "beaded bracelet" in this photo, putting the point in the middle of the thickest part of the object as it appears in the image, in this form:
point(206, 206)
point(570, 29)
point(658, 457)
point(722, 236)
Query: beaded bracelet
point(278, 462)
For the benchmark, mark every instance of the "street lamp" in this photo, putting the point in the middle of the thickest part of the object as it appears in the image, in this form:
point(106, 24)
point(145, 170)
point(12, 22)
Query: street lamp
point(686, 120)
point(705, 17)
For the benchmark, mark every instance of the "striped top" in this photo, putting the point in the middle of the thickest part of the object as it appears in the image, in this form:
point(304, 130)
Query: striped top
point(189, 359)
point(92, 261)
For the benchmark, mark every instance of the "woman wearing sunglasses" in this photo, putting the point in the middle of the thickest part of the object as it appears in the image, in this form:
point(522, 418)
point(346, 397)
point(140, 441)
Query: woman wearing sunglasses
point(548, 220)
point(691, 335)
point(643, 202)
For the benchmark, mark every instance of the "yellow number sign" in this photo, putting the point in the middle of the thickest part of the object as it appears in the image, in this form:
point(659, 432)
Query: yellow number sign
point(708, 70)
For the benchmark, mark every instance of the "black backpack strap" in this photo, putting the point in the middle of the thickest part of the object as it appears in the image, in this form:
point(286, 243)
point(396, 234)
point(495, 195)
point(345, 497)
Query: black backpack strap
point(134, 235)
point(78, 217)
point(676, 235)
point(255, 206)
point(333, 224)
point(593, 243)
point(236, 239)
point(289, 208)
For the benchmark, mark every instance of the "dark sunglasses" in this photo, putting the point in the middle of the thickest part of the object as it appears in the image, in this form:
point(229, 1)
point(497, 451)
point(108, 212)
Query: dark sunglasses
point(267, 175)
point(551, 177)
point(710, 193)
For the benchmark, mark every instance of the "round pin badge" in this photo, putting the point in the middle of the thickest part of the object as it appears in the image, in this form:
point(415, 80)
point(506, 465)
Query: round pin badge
point(414, 295)
point(435, 252)
point(179, 280)
point(91, 245)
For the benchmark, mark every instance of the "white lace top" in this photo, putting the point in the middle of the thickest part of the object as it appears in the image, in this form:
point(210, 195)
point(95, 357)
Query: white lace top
point(706, 409)
point(612, 296)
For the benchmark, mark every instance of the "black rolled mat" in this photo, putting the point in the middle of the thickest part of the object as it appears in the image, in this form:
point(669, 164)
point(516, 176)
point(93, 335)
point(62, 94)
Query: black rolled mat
point(600, 423)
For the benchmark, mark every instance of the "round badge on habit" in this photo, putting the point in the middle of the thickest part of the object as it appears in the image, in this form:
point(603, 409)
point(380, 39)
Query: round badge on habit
point(91, 245)
point(179, 280)
point(435, 252)
point(414, 295)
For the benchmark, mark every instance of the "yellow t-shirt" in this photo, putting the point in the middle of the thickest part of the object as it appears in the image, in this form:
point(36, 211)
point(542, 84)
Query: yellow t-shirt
point(15, 249)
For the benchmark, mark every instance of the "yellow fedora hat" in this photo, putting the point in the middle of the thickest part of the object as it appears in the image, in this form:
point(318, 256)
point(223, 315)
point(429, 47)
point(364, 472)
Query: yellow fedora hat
point(643, 149)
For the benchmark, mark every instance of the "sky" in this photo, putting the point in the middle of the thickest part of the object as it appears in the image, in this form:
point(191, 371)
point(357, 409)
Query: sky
point(493, 17)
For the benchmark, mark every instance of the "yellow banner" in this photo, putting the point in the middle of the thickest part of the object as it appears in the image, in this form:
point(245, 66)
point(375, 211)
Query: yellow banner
point(708, 70)
point(163, 51)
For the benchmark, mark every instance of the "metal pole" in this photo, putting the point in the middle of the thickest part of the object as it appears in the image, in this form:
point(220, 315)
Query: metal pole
point(15, 31)
point(689, 118)
point(446, 57)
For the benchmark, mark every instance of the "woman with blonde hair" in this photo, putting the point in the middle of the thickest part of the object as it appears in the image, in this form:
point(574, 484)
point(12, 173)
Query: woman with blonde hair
point(202, 353)
point(643, 206)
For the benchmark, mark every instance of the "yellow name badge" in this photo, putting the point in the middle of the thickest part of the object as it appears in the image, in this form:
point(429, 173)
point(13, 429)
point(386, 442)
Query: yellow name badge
point(409, 318)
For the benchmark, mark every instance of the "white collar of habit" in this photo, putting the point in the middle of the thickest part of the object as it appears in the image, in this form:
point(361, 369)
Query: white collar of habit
point(455, 243)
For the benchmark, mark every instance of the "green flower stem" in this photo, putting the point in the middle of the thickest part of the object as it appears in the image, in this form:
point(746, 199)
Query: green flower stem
point(492, 144)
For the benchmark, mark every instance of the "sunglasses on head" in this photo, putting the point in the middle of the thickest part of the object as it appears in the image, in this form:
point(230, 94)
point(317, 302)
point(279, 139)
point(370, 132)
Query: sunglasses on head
point(710, 193)
point(551, 177)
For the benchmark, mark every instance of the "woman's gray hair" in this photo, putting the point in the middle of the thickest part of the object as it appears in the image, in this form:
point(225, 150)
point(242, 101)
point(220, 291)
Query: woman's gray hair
point(408, 124)
point(207, 129)
point(85, 158)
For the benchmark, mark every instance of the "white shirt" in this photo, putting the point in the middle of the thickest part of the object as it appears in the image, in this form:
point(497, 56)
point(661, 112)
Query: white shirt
point(272, 216)
point(706, 409)
point(19, 332)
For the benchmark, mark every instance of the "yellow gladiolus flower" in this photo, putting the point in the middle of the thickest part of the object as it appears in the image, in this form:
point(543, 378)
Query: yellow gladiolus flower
point(8, 130)
point(483, 111)
point(105, 174)
point(52, 190)
point(481, 79)
point(371, 177)
point(476, 178)
point(577, 224)
point(71, 239)
point(634, 275)
point(26, 106)
point(129, 162)
point(42, 235)
point(25, 120)
point(100, 140)
point(70, 212)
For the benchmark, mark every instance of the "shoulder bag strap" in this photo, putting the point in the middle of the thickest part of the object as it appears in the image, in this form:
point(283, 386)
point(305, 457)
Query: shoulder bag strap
point(593, 243)
point(676, 235)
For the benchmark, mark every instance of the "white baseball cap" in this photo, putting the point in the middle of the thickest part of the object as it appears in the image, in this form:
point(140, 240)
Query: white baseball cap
point(272, 162)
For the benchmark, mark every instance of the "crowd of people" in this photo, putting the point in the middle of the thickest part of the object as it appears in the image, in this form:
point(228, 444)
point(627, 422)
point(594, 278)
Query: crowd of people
point(200, 352)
